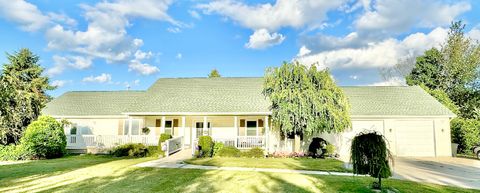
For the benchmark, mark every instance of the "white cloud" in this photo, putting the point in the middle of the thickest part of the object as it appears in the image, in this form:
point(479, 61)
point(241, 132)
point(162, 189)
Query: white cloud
point(179, 56)
point(283, 13)
point(138, 66)
point(60, 83)
point(378, 54)
point(61, 63)
point(27, 15)
point(194, 14)
point(303, 51)
point(62, 18)
point(104, 37)
point(354, 77)
point(267, 17)
point(103, 78)
point(174, 30)
point(395, 81)
point(398, 16)
point(263, 39)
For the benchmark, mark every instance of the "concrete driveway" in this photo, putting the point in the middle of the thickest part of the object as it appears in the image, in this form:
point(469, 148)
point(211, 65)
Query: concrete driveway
point(450, 171)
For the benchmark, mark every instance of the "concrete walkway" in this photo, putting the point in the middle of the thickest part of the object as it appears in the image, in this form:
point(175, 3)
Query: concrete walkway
point(176, 158)
point(2, 163)
point(176, 161)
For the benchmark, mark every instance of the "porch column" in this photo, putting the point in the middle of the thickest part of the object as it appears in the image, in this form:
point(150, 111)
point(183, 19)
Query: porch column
point(194, 136)
point(162, 126)
point(183, 131)
point(205, 125)
point(267, 133)
point(130, 126)
point(235, 124)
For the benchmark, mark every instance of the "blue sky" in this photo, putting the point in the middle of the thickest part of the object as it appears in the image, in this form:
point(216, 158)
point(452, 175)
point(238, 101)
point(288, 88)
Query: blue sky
point(112, 44)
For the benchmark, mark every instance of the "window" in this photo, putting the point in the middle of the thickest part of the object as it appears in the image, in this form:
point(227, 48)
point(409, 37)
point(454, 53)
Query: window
point(199, 126)
point(168, 127)
point(135, 129)
point(251, 128)
point(126, 125)
point(73, 129)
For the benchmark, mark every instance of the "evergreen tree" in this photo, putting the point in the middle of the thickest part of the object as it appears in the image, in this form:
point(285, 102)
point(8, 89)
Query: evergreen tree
point(23, 94)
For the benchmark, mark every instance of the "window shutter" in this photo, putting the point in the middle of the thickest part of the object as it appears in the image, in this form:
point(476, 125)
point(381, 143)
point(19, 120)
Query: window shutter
point(260, 123)
point(158, 123)
point(120, 127)
point(242, 122)
point(175, 122)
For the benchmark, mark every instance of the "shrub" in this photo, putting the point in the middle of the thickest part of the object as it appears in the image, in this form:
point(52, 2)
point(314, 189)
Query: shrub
point(255, 152)
point(330, 149)
point(369, 155)
point(217, 147)
point(316, 149)
point(465, 132)
point(206, 146)
point(12, 153)
point(131, 150)
point(229, 151)
point(44, 138)
point(164, 137)
point(155, 151)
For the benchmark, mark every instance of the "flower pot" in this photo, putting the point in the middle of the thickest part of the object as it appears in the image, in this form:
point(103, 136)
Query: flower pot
point(454, 149)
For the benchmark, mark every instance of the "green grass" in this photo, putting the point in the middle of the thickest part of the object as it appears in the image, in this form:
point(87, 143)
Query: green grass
point(281, 163)
point(108, 174)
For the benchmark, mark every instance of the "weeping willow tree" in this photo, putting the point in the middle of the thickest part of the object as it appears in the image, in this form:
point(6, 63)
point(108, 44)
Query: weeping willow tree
point(370, 156)
point(305, 100)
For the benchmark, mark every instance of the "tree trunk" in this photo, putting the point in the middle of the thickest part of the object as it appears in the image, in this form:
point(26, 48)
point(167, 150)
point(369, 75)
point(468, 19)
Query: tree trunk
point(296, 144)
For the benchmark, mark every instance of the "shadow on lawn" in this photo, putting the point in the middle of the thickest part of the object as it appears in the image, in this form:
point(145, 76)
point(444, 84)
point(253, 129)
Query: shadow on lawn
point(25, 172)
point(188, 180)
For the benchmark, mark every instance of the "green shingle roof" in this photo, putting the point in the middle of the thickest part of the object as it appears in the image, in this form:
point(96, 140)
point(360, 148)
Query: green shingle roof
point(393, 101)
point(91, 103)
point(203, 95)
point(235, 95)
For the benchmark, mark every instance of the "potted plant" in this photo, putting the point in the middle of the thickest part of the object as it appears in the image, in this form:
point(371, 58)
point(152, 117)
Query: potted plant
point(145, 130)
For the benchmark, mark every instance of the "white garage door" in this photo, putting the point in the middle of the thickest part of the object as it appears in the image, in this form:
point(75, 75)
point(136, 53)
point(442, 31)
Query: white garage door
point(415, 138)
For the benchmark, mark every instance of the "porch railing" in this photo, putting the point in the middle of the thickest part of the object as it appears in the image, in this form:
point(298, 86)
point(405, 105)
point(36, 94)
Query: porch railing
point(173, 145)
point(243, 142)
point(108, 141)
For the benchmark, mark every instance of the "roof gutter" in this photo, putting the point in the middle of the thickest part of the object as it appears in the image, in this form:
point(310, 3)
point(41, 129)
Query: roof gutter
point(196, 113)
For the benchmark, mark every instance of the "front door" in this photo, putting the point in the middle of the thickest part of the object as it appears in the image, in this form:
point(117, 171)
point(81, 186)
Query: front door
point(200, 131)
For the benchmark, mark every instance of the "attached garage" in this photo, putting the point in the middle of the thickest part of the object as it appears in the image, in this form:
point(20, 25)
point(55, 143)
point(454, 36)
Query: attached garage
point(414, 123)
point(415, 138)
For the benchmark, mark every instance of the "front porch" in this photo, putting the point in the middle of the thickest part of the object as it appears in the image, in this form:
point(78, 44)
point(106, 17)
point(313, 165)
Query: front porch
point(242, 131)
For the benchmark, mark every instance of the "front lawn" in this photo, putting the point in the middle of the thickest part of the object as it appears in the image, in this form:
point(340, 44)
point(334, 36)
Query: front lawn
point(331, 165)
point(107, 174)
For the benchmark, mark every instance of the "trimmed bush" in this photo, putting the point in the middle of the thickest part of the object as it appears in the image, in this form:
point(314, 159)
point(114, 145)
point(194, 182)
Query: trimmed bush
point(164, 137)
point(217, 147)
point(330, 149)
point(229, 151)
point(12, 153)
point(316, 149)
point(255, 152)
point(465, 132)
point(44, 138)
point(155, 151)
point(205, 144)
point(130, 150)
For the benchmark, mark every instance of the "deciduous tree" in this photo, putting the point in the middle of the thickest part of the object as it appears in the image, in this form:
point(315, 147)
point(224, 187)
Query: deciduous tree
point(305, 100)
